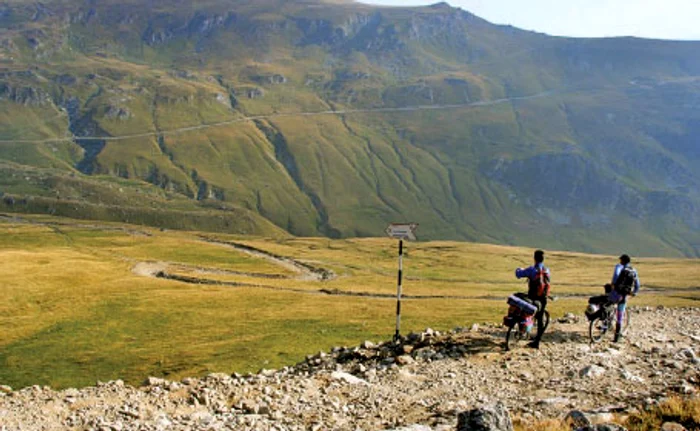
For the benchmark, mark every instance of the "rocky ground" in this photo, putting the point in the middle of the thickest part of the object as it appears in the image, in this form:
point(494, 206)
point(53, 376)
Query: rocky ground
point(423, 382)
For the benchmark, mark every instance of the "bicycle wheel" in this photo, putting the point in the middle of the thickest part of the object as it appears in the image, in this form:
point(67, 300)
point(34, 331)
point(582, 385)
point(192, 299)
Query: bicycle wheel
point(612, 321)
point(514, 336)
point(545, 320)
point(598, 328)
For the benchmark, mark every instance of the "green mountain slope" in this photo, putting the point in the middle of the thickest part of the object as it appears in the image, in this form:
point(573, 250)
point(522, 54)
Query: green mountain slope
point(335, 118)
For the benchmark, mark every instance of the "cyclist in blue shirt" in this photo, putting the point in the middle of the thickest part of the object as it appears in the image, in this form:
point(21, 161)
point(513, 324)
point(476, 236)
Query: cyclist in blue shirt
point(620, 298)
point(538, 290)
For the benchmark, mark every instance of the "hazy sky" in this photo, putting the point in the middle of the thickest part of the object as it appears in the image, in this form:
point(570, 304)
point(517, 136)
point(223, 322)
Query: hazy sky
point(659, 19)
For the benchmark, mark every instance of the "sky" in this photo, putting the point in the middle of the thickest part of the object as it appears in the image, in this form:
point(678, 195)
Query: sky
point(656, 19)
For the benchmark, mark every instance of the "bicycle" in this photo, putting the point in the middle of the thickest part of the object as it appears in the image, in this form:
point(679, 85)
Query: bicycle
point(521, 320)
point(605, 318)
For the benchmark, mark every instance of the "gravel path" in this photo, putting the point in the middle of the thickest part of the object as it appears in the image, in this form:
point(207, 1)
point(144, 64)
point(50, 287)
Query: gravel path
point(427, 379)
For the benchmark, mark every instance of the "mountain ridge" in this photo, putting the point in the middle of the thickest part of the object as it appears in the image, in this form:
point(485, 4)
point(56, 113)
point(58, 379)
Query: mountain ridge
point(160, 74)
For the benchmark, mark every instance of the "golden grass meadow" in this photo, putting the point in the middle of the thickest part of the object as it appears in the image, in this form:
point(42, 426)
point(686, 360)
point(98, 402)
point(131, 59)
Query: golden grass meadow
point(75, 311)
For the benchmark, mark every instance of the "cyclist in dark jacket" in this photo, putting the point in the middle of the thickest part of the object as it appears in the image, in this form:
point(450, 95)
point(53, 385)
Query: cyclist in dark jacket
point(538, 290)
point(620, 298)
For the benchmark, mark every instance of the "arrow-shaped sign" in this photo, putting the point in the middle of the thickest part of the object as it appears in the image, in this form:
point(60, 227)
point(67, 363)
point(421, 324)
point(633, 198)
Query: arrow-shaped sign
point(402, 230)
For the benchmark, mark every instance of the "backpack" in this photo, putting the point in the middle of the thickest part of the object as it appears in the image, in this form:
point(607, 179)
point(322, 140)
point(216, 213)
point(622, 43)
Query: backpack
point(625, 280)
point(538, 286)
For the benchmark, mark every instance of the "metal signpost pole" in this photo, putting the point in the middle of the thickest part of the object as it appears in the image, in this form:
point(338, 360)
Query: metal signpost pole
point(400, 231)
point(398, 293)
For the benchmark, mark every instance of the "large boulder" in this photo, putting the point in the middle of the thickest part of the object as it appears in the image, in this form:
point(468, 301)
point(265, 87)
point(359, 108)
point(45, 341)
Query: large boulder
point(577, 419)
point(672, 426)
point(413, 428)
point(489, 418)
point(603, 427)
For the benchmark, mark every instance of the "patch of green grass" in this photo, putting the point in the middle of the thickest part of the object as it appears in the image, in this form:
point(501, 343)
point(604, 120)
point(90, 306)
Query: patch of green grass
point(31, 121)
point(22, 237)
point(172, 248)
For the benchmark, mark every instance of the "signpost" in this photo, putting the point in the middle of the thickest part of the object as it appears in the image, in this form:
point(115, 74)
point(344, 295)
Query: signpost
point(401, 231)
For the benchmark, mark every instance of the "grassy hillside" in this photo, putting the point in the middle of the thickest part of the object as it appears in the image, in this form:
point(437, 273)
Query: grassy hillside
point(83, 285)
point(336, 118)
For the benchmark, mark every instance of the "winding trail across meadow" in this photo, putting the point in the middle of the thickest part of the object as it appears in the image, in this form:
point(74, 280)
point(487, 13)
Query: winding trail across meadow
point(307, 272)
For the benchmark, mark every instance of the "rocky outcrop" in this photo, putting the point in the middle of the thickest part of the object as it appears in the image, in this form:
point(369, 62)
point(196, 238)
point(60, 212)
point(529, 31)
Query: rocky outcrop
point(164, 28)
point(118, 113)
point(449, 26)
point(65, 79)
point(82, 16)
point(183, 74)
point(249, 92)
point(24, 95)
point(491, 418)
point(277, 79)
point(270, 79)
point(326, 32)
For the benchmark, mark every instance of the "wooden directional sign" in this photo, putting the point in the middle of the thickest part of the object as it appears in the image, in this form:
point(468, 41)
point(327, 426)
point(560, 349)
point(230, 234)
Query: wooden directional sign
point(402, 230)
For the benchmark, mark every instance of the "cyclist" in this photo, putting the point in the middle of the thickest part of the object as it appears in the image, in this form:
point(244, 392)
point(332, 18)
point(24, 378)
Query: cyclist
point(625, 281)
point(538, 290)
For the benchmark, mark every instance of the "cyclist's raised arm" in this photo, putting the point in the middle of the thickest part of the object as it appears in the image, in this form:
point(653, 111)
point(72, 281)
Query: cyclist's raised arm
point(524, 272)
